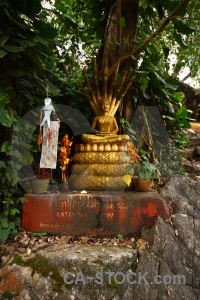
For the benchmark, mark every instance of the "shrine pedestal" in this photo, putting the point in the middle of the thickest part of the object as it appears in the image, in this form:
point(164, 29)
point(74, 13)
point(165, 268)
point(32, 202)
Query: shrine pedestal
point(99, 167)
point(92, 214)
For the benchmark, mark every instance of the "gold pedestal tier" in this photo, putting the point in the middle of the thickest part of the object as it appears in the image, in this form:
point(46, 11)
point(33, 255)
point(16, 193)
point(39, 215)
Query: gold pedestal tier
point(99, 167)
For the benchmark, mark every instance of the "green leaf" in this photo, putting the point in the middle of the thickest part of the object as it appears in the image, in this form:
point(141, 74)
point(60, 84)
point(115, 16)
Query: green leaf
point(2, 53)
point(2, 164)
point(171, 86)
point(179, 40)
point(133, 57)
point(11, 225)
point(46, 30)
point(130, 130)
point(12, 48)
point(4, 147)
point(4, 224)
point(159, 77)
point(144, 84)
point(4, 220)
point(168, 117)
point(3, 101)
point(19, 24)
point(25, 43)
point(39, 234)
point(186, 124)
point(5, 119)
point(182, 27)
point(147, 95)
point(154, 80)
point(60, 7)
point(182, 112)
point(4, 234)
point(149, 50)
point(129, 168)
point(14, 211)
point(13, 234)
point(22, 200)
point(178, 96)
point(18, 221)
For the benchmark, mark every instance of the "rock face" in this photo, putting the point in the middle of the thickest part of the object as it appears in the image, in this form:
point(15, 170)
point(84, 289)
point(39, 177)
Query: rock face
point(174, 245)
point(196, 151)
point(169, 269)
point(192, 99)
point(70, 272)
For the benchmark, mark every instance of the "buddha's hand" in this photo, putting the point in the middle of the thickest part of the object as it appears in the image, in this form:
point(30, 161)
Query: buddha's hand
point(103, 133)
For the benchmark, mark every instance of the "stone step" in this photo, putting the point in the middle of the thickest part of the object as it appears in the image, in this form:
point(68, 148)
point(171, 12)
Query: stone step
point(100, 213)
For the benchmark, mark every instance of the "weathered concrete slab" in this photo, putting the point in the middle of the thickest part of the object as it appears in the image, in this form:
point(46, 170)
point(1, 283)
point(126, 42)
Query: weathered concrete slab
point(94, 213)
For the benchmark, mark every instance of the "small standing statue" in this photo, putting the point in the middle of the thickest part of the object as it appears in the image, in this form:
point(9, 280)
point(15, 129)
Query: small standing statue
point(65, 150)
point(49, 138)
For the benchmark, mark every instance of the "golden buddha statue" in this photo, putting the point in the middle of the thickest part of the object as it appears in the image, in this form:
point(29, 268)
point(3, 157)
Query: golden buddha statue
point(101, 159)
point(104, 128)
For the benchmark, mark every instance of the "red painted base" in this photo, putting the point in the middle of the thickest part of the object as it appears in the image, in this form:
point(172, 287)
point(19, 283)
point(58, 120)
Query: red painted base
point(93, 214)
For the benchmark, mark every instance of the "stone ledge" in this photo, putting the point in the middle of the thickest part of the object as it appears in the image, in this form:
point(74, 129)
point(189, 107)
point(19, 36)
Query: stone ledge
point(44, 274)
point(93, 213)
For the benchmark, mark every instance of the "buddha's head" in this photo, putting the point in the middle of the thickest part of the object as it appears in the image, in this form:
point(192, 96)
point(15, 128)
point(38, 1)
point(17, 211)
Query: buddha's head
point(105, 105)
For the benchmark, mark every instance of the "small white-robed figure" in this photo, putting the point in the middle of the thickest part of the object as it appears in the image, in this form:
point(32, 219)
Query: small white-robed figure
point(47, 110)
point(49, 138)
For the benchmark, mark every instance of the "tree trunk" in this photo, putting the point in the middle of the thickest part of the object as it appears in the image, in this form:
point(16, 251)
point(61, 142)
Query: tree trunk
point(119, 41)
point(120, 35)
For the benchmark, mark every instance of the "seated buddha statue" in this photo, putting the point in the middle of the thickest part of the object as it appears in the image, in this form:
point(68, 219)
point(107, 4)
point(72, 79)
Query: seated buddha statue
point(104, 128)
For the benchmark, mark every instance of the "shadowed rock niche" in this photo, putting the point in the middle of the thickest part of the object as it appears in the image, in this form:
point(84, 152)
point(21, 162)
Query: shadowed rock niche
point(101, 158)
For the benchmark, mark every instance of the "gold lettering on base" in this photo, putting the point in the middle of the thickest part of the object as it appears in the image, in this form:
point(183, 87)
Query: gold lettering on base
point(93, 204)
point(109, 206)
point(65, 203)
point(69, 214)
point(65, 214)
point(54, 226)
point(122, 206)
point(109, 215)
point(44, 225)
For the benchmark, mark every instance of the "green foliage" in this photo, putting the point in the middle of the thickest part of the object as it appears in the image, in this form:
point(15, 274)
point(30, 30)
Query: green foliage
point(158, 154)
point(157, 87)
point(170, 160)
point(186, 51)
point(144, 168)
point(10, 220)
